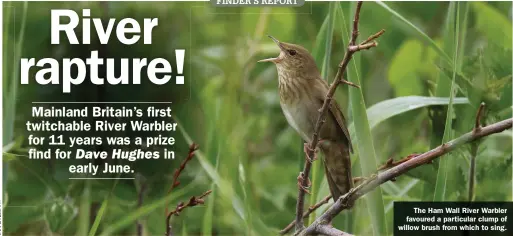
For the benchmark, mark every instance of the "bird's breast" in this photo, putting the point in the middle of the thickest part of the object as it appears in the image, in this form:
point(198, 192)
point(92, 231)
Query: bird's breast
point(298, 117)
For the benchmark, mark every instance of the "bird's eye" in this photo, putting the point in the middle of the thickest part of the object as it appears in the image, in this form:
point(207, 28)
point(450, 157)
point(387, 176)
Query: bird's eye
point(292, 52)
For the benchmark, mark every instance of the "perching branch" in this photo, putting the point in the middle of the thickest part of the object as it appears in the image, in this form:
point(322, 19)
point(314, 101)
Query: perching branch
point(312, 208)
point(391, 163)
point(310, 150)
point(380, 178)
point(307, 213)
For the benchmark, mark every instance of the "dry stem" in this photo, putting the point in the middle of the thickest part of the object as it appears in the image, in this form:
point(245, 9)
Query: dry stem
point(193, 201)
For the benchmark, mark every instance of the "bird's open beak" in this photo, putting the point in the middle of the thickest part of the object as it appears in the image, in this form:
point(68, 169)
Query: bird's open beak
point(274, 59)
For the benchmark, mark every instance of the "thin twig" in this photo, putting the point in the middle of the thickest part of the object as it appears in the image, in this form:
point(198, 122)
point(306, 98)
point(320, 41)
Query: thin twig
point(193, 201)
point(373, 37)
point(366, 46)
point(310, 151)
point(378, 179)
point(306, 214)
point(479, 116)
point(140, 201)
point(192, 148)
point(343, 81)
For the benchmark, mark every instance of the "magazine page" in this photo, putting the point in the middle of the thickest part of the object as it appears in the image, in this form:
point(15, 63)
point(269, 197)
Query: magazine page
point(256, 117)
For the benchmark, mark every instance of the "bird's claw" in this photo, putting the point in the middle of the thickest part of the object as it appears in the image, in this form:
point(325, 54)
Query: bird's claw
point(300, 179)
point(307, 150)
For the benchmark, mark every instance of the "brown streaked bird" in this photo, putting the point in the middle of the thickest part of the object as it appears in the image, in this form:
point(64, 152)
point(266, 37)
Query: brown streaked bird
point(302, 92)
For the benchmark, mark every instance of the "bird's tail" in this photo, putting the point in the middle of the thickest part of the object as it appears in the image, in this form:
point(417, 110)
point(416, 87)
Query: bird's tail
point(337, 165)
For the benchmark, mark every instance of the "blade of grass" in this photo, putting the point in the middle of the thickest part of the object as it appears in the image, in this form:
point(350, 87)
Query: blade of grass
point(318, 49)
point(10, 92)
point(85, 209)
point(444, 164)
point(247, 198)
point(420, 34)
point(326, 37)
point(364, 144)
point(102, 210)
point(13, 88)
point(209, 212)
point(7, 45)
point(210, 147)
point(225, 188)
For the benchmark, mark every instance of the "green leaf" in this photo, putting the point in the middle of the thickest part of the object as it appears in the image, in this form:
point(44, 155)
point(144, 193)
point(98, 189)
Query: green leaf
point(84, 212)
point(419, 33)
point(405, 68)
point(364, 144)
point(493, 24)
point(328, 39)
point(102, 210)
point(447, 163)
point(7, 157)
point(279, 22)
point(59, 213)
point(209, 212)
point(381, 111)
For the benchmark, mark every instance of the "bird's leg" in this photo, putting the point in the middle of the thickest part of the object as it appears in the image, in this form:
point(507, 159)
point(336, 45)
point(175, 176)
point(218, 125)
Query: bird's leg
point(307, 150)
point(300, 179)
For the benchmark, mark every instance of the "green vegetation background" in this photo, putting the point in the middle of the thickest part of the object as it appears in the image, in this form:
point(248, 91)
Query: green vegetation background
point(249, 156)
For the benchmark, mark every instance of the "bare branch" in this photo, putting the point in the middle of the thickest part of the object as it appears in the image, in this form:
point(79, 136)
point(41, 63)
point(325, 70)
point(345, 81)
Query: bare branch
point(193, 201)
point(356, 22)
point(192, 148)
point(391, 163)
point(343, 81)
point(373, 37)
point(360, 47)
point(327, 230)
point(378, 179)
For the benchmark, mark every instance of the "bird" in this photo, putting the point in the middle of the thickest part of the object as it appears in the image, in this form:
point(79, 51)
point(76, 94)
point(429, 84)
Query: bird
point(302, 92)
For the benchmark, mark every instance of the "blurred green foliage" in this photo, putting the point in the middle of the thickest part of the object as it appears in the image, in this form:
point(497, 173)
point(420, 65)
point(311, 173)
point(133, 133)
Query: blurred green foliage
point(248, 155)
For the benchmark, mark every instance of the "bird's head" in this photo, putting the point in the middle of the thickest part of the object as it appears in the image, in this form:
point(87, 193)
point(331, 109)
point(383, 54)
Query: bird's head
point(293, 57)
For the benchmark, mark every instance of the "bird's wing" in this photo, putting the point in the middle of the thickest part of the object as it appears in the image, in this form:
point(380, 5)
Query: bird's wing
point(334, 109)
